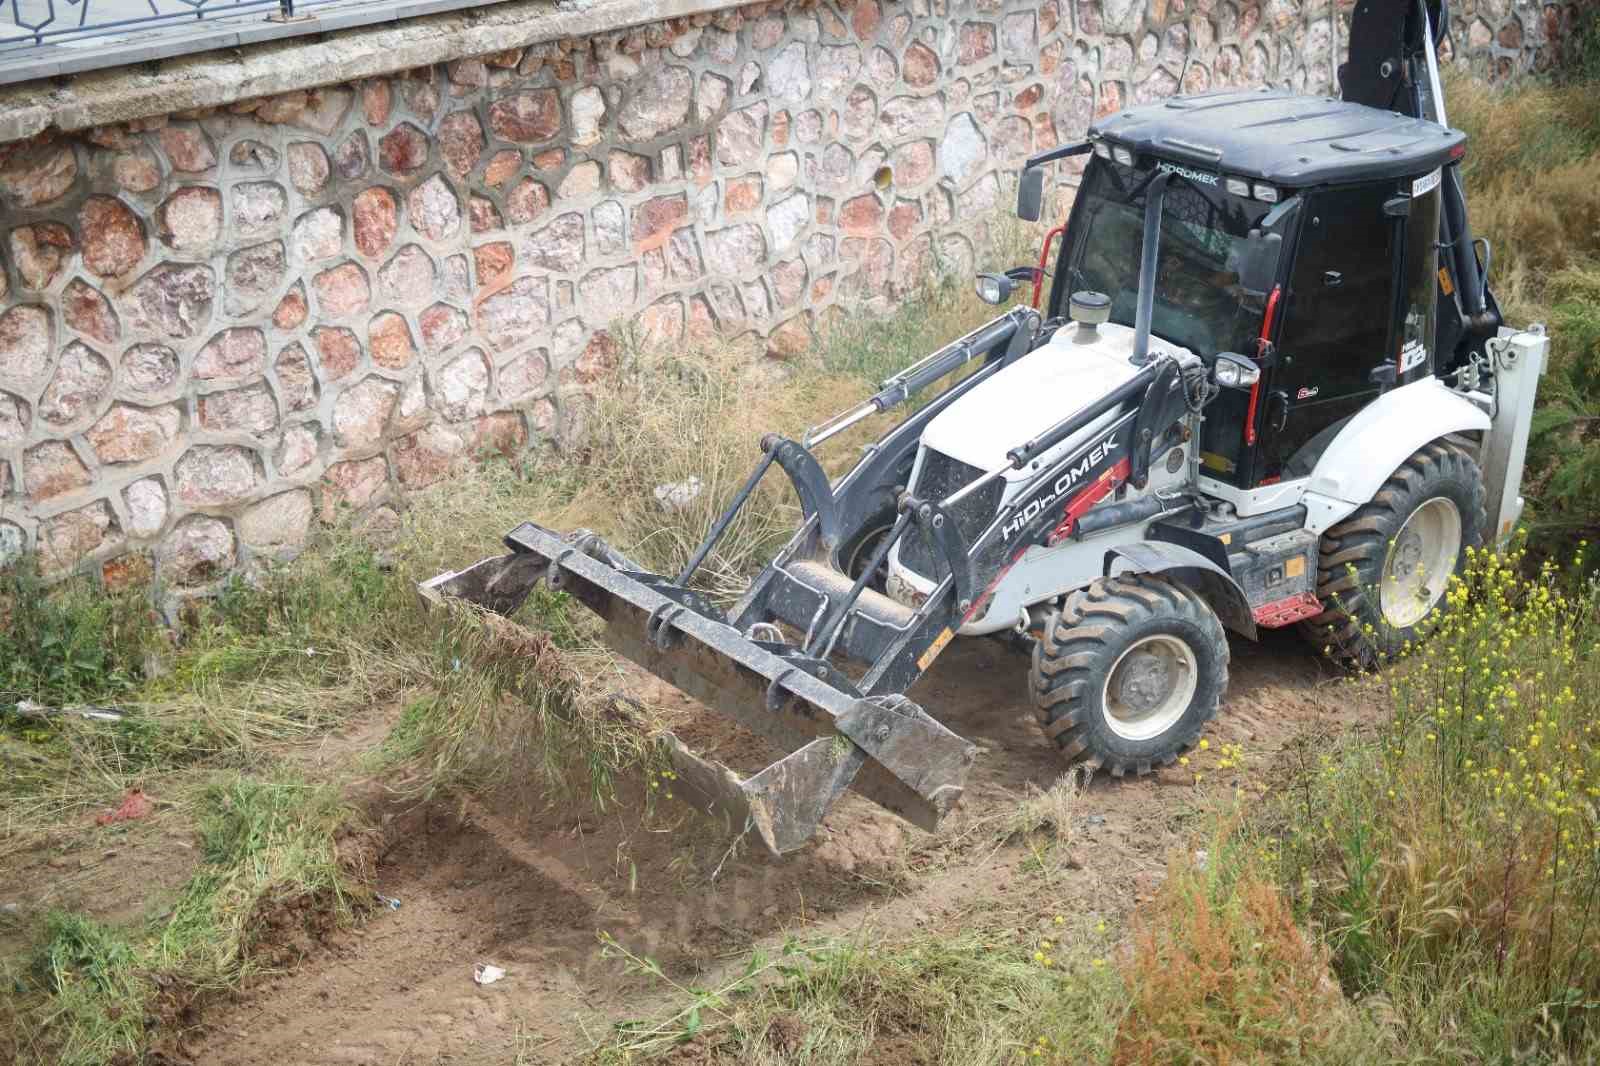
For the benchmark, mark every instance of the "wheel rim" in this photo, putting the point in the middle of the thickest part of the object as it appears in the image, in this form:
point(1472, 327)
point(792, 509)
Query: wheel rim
point(1421, 559)
point(863, 554)
point(1149, 687)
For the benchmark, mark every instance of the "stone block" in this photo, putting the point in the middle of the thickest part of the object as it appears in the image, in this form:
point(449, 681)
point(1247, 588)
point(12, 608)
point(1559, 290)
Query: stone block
point(251, 409)
point(342, 290)
point(389, 341)
point(309, 169)
point(145, 504)
point(232, 355)
point(82, 380)
point(279, 523)
point(38, 175)
point(212, 475)
point(40, 252)
point(338, 351)
point(258, 208)
point(52, 469)
point(128, 434)
point(200, 549)
point(435, 209)
point(297, 382)
point(69, 538)
point(461, 387)
point(526, 117)
point(150, 371)
point(191, 218)
point(86, 310)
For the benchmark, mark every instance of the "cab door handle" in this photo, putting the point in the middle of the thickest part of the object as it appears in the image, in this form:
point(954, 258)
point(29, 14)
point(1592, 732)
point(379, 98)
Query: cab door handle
point(1277, 411)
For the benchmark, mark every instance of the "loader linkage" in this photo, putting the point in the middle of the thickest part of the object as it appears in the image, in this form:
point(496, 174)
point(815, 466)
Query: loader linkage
point(886, 747)
point(839, 733)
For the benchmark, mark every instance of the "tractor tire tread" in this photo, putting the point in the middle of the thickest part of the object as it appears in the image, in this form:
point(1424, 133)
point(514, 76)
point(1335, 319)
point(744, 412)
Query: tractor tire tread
point(1074, 644)
point(1352, 553)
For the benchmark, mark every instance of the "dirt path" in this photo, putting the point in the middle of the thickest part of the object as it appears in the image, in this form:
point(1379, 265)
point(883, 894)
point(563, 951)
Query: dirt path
point(529, 891)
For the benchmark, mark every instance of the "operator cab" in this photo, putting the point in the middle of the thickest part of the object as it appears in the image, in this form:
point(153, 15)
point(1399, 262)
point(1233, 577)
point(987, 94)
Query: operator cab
point(1298, 231)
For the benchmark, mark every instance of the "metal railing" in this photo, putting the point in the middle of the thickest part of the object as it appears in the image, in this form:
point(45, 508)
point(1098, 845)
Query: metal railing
point(50, 38)
point(46, 23)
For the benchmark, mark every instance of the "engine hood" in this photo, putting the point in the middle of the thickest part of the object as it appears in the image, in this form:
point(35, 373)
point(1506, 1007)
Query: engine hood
point(1039, 390)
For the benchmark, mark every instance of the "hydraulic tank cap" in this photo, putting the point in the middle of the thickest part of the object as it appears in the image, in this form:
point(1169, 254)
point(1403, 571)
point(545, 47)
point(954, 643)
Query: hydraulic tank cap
point(1088, 309)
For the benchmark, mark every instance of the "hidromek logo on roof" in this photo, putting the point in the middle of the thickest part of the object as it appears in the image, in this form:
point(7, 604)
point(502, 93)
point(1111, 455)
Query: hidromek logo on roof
point(1185, 172)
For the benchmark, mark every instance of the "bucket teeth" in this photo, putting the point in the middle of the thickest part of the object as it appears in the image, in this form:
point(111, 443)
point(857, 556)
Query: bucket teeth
point(886, 748)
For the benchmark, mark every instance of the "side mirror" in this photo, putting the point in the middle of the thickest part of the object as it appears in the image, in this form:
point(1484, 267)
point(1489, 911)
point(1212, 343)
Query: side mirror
point(1234, 371)
point(1030, 194)
point(994, 288)
point(1258, 269)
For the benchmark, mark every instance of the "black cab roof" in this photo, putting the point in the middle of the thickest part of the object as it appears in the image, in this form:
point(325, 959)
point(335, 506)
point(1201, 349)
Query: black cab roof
point(1277, 136)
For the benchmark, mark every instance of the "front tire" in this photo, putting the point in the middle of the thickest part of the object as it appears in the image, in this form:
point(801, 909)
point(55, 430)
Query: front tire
point(1382, 573)
point(858, 550)
point(1129, 673)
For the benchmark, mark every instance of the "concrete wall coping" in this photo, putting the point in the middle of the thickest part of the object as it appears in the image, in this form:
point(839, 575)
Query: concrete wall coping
point(216, 79)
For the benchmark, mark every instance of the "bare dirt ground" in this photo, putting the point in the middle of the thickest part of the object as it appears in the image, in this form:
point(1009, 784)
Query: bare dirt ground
point(529, 889)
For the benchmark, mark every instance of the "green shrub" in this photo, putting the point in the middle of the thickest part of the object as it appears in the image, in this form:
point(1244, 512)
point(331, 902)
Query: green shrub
point(72, 643)
point(1455, 859)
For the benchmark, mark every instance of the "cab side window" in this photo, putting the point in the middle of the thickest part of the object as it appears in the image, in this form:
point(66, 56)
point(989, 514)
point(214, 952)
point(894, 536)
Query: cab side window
point(1339, 314)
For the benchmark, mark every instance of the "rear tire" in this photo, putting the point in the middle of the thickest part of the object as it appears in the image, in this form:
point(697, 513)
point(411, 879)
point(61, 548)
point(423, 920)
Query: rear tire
point(1129, 673)
point(1382, 572)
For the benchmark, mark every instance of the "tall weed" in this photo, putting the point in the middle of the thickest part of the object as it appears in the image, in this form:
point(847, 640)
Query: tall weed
point(1455, 860)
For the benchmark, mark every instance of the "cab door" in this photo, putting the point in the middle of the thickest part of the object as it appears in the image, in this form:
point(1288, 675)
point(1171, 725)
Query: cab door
point(1336, 325)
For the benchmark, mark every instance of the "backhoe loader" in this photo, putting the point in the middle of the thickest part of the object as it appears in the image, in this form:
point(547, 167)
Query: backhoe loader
point(1268, 386)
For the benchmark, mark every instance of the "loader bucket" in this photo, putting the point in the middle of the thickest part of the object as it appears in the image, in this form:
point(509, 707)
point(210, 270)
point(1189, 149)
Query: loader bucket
point(884, 747)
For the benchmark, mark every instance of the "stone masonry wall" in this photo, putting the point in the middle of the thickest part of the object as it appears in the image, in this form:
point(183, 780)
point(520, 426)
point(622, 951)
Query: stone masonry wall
point(217, 328)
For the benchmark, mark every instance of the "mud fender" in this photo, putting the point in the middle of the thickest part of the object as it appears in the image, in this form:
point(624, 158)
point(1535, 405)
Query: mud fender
point(1214, 584)
point(1377, 440)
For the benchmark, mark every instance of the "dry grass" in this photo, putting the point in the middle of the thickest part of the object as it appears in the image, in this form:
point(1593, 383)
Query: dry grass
point(1220, 971)
point(1531, 159)
point(980, 995)
point(669, 419)
point(1529, 175)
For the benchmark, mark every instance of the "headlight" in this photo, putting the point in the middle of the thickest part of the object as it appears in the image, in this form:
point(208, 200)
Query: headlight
point(1123, 156)
point(1239, 187)
point(1267, 193)
point(1235, 372)
point(1102, 149)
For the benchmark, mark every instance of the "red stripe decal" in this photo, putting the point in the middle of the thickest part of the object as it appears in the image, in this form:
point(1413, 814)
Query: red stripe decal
point(1103, 486)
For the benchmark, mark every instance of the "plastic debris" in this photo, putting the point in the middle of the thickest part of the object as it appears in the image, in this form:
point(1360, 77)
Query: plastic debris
point(134, 805)
point(388, 901)
point(678, 495)
point(29, 709)
point(485, 974)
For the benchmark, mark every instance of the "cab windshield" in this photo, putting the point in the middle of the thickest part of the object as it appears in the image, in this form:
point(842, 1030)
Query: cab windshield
point(1199, 302)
